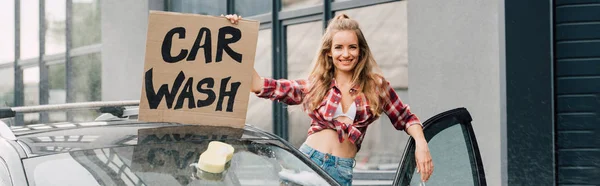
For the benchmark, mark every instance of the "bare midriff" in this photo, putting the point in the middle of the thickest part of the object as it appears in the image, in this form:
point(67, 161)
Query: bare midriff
point(326, 141)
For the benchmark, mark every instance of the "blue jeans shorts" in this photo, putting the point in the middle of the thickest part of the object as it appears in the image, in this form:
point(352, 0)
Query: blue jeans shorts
point(339, 168)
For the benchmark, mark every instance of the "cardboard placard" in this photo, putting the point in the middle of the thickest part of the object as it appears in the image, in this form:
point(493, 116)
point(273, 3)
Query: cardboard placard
point(198, 69)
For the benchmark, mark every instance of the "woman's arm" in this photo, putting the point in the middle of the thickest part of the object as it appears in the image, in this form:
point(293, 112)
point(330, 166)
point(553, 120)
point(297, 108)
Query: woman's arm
point(402, 119)
point(422, 154)
point(257, 82)
point(290, 92)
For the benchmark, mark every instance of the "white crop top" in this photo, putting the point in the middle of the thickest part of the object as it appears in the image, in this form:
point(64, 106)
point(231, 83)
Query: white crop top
point(350, 114)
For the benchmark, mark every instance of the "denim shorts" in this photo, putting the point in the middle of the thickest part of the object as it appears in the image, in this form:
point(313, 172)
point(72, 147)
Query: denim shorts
point(339, 168)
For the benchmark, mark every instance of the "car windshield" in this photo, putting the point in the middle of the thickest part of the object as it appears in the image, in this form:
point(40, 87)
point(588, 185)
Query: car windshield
point(111, 147)
point(256, 162)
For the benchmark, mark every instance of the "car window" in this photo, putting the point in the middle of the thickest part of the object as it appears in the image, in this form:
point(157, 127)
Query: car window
point(253, 163)
point(4, 174)
point(452, 166)
point(453, 149)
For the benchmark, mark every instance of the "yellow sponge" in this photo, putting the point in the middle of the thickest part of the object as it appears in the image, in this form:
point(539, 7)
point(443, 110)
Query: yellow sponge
point(216, 156)
point(221, 148)
point(212, 162)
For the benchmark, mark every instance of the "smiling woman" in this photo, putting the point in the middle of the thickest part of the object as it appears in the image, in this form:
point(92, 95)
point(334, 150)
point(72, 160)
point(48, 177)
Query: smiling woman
point(388, 41)
point(349, 77)
point(345, 51)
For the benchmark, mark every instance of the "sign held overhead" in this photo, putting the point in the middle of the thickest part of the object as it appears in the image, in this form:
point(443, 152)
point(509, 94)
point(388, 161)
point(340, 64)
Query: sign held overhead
point(197, 70)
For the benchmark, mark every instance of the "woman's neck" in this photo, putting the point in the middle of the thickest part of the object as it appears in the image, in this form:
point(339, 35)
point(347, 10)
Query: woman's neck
point(343, 78)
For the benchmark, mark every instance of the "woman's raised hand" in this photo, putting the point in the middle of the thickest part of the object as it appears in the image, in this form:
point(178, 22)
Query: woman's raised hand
point(234, 19)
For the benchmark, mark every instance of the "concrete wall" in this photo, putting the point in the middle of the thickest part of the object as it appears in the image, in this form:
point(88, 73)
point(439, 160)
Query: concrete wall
point(454, 54)
point(124, 27)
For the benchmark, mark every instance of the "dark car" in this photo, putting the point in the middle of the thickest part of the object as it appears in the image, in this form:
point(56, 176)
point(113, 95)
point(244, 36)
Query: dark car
point(116, 149)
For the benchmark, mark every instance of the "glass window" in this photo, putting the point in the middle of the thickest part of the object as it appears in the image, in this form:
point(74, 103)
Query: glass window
point(376, 150)
point(172, 164)
point(204, 7)
point(298, 4)
point(87, 77)
point(302, 44)
point(6, 86)
point(57, 93)
point(247, 8)
point(31, 81)
point(87, 83)
point(55, 26)
point(57, 83)
point(86, 23)
point(7, 46)
point(387, 38)
point(263, 60)
point(260, 112)
point(30, 28)
point(452, 159)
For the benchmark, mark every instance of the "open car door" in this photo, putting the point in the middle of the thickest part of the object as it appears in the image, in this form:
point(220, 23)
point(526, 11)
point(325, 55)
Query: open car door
point(453, 149)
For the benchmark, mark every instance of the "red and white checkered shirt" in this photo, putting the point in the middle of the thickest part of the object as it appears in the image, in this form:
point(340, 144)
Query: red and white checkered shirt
point(292, 92)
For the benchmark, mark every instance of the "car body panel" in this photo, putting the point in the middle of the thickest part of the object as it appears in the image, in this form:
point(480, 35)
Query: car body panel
point(12, 160)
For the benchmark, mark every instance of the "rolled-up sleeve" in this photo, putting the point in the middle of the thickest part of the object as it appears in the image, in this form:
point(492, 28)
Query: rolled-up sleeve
point(398, 112)
point(290, 92)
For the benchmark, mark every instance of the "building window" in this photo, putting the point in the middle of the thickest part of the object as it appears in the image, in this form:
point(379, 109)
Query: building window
point(247, 8)
point(299, 4)
point(30, 28)
point(56, 17)
point(302, 44)
point(204, 7)
point(260, 112)
point(86, 23)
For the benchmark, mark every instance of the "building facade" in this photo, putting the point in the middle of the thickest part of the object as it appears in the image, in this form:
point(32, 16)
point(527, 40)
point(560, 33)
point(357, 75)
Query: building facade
point(527, 71)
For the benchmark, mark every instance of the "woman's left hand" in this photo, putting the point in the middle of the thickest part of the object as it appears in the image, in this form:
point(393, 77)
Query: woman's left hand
point(234, 19)
point(423, 158)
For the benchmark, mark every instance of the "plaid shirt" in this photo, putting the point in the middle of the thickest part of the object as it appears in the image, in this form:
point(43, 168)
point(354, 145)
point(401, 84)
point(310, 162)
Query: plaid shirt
point(292, 92)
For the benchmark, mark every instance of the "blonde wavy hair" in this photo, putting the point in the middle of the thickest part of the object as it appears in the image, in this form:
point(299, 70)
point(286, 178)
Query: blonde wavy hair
point(367, 74)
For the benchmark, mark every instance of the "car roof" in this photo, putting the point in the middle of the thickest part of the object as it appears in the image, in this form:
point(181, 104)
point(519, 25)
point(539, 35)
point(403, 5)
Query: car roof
point(116, 126)
point(62, 137)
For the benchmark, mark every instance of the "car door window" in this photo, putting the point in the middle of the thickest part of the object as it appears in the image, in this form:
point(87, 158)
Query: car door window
point(4, 174)
point(450, 153)
point(453, 149)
